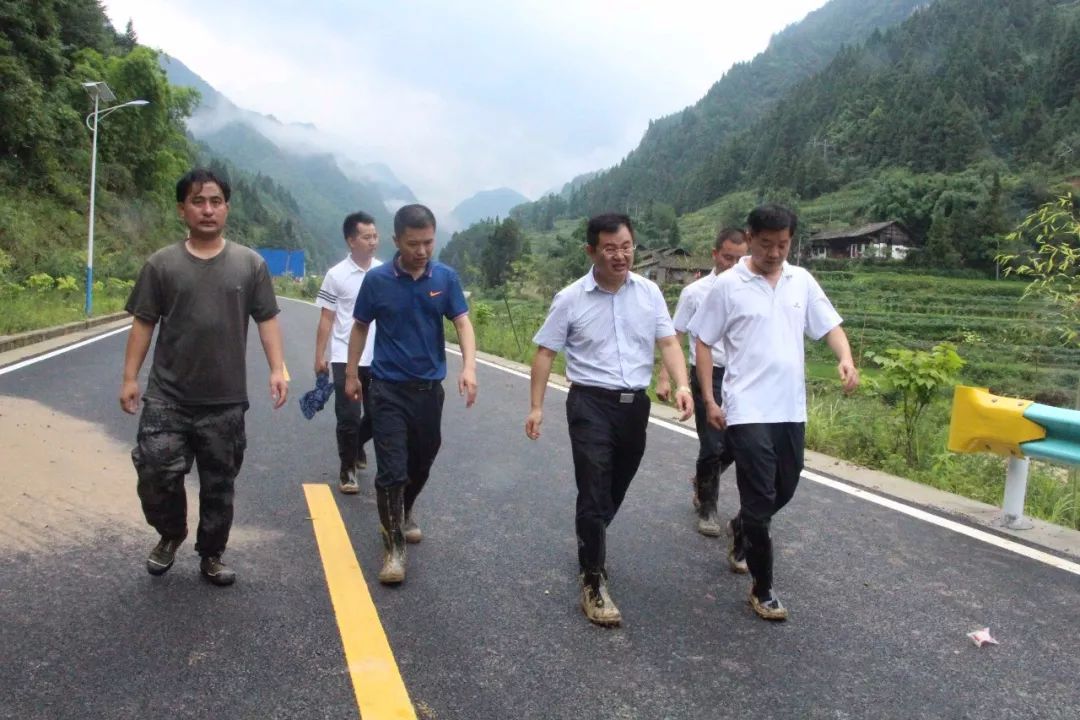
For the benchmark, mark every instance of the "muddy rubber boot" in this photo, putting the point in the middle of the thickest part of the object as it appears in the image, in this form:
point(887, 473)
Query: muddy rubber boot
point(596, 601)
point(391, 519)
point(759, 554)
point(708, 522)
point(736, 555)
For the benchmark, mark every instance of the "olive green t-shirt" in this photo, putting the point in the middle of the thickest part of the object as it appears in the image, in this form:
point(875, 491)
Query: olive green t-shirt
point(202, 308)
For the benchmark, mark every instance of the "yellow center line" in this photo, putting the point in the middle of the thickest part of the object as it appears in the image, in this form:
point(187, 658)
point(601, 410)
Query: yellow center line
point(380, 691)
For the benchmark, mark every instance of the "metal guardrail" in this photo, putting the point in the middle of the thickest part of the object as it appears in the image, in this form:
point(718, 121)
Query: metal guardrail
point(1017, 429)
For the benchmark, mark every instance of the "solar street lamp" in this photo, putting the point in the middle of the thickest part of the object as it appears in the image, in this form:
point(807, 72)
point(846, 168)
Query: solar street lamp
point(101, 93)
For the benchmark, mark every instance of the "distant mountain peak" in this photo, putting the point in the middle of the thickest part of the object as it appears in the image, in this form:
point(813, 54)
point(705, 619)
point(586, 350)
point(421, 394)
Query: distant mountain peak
point(487, 204)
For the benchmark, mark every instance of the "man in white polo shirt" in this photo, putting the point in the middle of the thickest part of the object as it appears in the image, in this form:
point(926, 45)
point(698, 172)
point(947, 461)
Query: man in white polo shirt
point(336, 298)
point(609, 323)
point(714, 457)
point(759, 312)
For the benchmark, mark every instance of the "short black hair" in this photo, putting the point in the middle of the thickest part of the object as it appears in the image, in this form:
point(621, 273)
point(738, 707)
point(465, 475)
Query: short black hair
point(734, 234)
point(348, 228)
point(771, 217)
point(200, 176)
point(606, 223)
point(415, 216)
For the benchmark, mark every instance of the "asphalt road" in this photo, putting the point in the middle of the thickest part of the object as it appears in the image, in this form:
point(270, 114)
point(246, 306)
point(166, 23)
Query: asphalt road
point(487, 626)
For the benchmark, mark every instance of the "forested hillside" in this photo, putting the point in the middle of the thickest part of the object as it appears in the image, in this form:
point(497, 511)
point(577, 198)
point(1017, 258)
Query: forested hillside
point(47, 49)
point(957, 121)
point(679, 146)
point(327, 187)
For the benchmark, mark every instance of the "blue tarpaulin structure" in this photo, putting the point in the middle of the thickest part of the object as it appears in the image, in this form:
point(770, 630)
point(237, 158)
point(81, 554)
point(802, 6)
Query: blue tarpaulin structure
point(283, 262)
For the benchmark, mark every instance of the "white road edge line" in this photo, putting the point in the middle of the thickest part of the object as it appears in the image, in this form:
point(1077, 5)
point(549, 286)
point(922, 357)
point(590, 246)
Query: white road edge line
point(60, 351)
point(863, 494)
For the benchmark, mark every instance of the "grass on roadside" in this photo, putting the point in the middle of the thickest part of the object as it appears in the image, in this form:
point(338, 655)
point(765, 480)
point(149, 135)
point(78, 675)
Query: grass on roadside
point(861, 429)
point(25, 310)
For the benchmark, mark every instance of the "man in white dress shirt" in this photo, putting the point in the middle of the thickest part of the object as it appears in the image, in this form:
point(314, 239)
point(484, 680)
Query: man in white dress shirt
point(336, 298)
point(760, 311)
point(714, 457)
point(608, 322)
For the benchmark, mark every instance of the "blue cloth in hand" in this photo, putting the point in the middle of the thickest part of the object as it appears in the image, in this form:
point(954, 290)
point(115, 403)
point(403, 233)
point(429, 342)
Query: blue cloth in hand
point(313, 401)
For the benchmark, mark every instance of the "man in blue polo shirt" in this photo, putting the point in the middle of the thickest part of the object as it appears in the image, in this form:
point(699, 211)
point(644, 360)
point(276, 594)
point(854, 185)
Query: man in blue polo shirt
point(409, 298)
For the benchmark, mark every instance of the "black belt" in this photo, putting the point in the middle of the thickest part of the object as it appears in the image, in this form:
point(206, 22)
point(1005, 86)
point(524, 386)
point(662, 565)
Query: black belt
point(411, 384)
point(626, 395)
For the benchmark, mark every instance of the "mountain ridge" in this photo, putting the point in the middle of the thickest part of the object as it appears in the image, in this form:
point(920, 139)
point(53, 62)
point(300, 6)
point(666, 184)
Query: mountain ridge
point(326, 185)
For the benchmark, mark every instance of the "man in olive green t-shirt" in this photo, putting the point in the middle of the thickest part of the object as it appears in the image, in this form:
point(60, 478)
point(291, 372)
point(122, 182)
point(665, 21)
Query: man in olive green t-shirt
point(200, 293)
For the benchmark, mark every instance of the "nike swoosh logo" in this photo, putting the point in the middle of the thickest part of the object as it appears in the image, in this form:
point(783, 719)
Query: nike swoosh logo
point(434, 293)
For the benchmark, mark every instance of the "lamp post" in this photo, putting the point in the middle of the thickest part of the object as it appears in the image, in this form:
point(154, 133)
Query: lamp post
point(100, 92)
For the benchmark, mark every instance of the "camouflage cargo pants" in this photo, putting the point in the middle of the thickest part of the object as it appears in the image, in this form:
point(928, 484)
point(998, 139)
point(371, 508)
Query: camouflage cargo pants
point(171, 437)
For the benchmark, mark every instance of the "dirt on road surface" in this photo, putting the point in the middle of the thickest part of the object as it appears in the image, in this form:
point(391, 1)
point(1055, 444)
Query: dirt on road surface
point(65, 482)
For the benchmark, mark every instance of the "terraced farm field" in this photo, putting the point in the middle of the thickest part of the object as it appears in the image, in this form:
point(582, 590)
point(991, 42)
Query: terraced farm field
point(1011, 345)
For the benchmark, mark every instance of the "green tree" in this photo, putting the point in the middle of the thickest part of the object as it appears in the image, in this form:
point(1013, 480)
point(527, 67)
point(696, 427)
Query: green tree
point(503, 247)
point(1053, 263)
point(910, 380)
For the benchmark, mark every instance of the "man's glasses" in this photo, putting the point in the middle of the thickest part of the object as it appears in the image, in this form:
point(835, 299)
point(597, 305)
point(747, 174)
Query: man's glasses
point(610, 252)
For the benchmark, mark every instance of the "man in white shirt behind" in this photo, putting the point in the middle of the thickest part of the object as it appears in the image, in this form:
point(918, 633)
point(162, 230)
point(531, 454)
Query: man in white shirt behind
point(336, 297)
point(760, 311)
point(714, 457)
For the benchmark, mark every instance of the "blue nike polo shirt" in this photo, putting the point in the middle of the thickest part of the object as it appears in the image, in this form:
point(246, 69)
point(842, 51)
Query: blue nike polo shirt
point(410, 343)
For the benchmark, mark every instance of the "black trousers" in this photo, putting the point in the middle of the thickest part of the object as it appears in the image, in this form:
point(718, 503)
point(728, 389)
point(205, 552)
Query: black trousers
point(714, 453)
point(768, 462)
point(607, 438)
point(353, 418)
point(172, 437)
point(407, 424)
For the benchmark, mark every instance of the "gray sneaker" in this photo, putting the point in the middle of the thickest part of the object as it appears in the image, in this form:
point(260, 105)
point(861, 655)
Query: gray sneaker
point(163, 555)
point(413, 533)
point(708, 524)
point(347, 484)
point(216, 572)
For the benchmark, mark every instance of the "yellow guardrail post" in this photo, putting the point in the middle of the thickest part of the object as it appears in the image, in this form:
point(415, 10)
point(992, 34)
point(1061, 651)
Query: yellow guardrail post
point(982, 422)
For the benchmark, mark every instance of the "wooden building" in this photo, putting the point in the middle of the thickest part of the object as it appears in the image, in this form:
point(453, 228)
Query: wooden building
point(671, 266)
point(883, 240)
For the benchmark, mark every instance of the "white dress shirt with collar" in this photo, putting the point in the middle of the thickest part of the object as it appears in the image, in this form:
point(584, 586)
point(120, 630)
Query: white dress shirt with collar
point(338, 293)
point(762, 331)
point(689, 301)
point(609, 338)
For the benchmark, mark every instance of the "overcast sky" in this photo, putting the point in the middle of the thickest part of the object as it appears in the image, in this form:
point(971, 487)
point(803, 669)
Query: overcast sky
point(465, 95)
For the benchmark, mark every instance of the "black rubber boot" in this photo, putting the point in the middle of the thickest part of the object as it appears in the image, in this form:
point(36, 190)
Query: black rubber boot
point(392, 522)
point(759, 556)
point(737, 551)
point(708, 523)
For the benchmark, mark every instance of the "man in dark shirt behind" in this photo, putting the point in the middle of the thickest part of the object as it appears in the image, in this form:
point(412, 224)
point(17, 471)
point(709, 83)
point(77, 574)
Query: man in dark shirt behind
point(200, 292)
